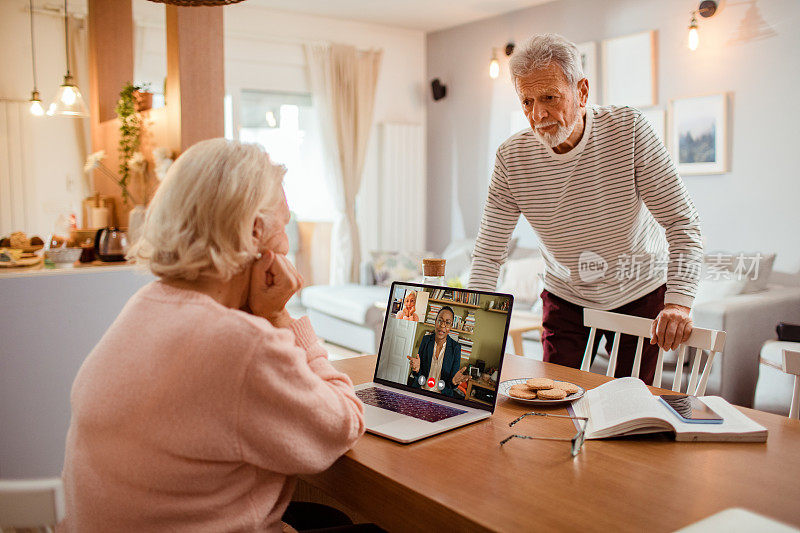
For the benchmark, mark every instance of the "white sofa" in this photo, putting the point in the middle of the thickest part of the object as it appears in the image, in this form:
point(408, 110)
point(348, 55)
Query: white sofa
point(749, 320)
point(348, 315)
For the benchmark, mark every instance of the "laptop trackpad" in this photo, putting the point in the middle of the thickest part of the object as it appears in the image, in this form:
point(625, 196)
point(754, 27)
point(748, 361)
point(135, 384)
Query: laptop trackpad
point(375, 416)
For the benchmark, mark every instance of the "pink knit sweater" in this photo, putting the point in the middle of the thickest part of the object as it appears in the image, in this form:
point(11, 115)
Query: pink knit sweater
point(190, 416)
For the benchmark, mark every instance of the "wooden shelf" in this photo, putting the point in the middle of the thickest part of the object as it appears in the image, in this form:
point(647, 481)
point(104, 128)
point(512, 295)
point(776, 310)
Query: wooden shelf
point(451, 329)
point(460, 304)
point(496, 311)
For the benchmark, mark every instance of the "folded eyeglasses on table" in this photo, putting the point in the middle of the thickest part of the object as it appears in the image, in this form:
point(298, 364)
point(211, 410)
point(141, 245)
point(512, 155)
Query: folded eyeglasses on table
point(576, 441)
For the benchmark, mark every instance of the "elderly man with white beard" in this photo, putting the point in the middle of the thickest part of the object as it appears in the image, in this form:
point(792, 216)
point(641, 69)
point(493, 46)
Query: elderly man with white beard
point(596, 185)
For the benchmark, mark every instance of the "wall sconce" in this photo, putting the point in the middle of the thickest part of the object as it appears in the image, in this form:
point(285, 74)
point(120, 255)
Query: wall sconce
point(706, 9)
point(494, 65)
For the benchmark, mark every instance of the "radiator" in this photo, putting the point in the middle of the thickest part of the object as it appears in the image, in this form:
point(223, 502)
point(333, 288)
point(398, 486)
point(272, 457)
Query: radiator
point(401, 188)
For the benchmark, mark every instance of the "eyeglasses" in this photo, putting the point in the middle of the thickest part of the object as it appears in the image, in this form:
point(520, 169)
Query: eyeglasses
point(576, 441)
point(444, 322)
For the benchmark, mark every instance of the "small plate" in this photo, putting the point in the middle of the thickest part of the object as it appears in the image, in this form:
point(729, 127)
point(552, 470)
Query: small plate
point(505, 385)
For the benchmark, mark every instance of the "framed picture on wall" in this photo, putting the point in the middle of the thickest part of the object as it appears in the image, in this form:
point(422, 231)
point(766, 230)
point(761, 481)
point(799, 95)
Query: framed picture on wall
point(629, 70)
point(588, 53)
point(699, 134)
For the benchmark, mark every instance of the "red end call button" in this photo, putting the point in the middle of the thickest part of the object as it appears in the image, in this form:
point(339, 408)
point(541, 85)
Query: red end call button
point(431, 383)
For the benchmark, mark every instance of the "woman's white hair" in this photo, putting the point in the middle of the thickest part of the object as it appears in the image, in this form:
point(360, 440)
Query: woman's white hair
point(201, 219)
point(541, 50)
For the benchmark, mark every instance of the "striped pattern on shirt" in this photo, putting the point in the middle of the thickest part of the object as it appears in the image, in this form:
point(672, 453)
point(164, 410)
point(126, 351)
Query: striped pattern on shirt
point(598, 211)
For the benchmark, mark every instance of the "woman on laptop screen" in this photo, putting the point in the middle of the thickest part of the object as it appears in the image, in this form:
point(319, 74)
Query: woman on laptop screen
point(437, 365)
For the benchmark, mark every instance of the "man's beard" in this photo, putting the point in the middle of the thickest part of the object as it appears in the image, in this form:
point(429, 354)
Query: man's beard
point(561, 134)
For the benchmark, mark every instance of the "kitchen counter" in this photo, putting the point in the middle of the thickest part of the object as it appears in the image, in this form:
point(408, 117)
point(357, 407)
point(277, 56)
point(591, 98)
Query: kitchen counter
point(39, 270)
point(50, 319)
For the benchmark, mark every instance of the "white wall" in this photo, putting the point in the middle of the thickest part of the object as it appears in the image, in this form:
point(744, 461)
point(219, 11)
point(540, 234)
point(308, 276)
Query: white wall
point(54, 172)
point(752, 207)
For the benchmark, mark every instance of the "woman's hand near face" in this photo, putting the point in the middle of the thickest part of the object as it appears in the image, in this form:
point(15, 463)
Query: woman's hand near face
point(273, 281)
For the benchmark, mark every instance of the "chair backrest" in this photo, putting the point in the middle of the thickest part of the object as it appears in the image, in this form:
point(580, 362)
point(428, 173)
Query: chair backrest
point(791, 365)
point(703, 339)
point(34, 503)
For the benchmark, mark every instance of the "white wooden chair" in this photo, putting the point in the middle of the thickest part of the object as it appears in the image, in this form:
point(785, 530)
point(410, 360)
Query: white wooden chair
point(35, 503)
point(703, 339)
point(791, 365)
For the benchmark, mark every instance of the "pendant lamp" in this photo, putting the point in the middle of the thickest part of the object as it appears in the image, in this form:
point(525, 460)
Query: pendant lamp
point(36, 102)
point(68, 101)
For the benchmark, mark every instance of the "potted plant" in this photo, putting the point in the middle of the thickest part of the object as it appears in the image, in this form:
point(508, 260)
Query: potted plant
point(143, 97)
point(130, 130)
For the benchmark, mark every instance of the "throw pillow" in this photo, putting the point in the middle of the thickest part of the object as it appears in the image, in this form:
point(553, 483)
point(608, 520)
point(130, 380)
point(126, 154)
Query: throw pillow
point(710, 290)
point(458, 255)
point(522, 278)
point(755, 269)
point(397, 266)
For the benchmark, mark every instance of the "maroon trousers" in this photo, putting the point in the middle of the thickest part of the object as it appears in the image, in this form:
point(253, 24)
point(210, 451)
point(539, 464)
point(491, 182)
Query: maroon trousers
point(564, 336)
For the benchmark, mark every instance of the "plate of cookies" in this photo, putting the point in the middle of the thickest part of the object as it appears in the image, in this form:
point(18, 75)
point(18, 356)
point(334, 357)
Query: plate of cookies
point(541, 390)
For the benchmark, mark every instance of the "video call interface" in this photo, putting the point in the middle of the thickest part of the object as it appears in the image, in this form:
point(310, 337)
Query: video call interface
point(446, 341)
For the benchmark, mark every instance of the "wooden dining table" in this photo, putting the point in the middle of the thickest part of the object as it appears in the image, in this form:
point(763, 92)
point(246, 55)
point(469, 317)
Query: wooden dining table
point(463, 480)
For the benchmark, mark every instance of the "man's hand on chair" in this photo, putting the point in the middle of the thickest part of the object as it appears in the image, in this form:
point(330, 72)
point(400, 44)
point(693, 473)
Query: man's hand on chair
point(671, 327)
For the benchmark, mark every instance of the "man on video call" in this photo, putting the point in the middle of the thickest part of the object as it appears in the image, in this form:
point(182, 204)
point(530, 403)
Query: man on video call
point(438, 360)
point(597, 186)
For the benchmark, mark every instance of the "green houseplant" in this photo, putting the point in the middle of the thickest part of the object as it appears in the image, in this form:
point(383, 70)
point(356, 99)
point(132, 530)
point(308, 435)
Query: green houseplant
point(130, 129)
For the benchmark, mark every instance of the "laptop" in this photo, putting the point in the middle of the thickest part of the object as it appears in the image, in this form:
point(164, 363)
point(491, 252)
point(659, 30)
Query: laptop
point(439, 361)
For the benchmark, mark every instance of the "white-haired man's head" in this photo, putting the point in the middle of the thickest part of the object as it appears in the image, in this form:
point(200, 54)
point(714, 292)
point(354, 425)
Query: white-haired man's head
point(548, 76)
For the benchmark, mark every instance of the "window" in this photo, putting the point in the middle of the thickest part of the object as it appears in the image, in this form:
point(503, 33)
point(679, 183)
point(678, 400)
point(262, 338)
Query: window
point(285, 125)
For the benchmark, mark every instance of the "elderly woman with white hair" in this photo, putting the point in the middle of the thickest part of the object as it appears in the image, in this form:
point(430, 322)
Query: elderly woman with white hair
point(205, 397)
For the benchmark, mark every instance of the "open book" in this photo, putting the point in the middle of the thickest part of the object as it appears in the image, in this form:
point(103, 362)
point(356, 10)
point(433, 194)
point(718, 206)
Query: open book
point(626, 406)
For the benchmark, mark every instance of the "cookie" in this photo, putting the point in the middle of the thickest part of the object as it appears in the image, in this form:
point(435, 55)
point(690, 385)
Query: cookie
point(566, 386)
point(541, 383)
point(551, 394)
point(522, 391)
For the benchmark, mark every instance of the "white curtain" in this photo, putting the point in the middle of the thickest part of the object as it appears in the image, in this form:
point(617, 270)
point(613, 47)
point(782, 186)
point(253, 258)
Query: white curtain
point(343, 82)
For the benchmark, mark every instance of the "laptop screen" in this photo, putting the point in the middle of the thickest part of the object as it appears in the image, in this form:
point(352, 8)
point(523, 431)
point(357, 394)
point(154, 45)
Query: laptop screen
point(444, 342)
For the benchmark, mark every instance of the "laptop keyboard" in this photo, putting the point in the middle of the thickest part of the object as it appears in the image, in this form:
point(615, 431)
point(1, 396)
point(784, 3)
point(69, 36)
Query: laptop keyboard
point(407, 405)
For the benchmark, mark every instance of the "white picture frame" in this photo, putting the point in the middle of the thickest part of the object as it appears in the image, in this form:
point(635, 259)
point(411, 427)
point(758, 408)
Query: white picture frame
point(699, 134)
point(588, 55)
point(629, 70)
point(656, 116)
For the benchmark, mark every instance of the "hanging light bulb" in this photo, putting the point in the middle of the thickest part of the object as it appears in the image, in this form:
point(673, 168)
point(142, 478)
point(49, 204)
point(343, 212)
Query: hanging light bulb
point(494, 65)
point(36, 103)
point(694, 36)
point(68, 100)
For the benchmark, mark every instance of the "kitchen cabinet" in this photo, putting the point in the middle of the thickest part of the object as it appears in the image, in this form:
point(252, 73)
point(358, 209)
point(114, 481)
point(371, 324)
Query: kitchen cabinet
point(49, 322)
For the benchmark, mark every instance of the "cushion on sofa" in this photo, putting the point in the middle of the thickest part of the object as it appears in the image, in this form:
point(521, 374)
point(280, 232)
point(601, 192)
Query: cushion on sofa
point(458, 257)
point(523, 279)
point(351, 302)
point(711, 290)
point(754, 268)
point(397, 266)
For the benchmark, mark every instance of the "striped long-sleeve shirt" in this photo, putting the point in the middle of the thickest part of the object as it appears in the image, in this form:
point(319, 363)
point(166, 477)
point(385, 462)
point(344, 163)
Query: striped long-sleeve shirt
point(597, 211)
